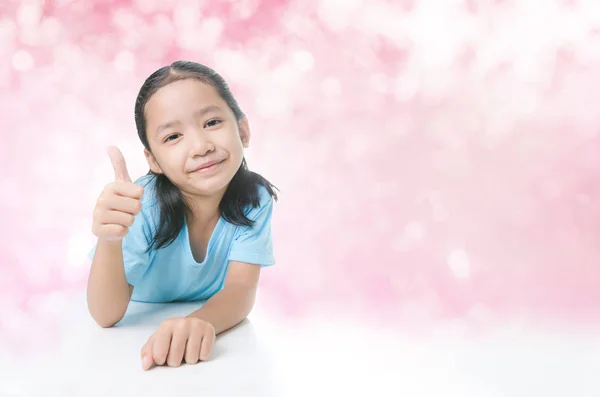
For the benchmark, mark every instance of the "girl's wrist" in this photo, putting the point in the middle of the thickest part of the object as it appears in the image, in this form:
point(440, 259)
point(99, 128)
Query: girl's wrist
point(112, 244)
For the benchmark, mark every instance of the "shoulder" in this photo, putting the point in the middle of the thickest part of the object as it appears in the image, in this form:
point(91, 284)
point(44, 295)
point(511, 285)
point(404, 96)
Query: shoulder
point(264, 197)
point(265, 203)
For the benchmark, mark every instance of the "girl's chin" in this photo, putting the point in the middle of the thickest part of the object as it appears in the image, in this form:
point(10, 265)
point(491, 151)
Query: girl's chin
point(207, 188)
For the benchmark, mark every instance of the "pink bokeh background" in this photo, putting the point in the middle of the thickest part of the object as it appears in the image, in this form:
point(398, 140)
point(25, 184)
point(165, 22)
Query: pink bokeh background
point(435, 159)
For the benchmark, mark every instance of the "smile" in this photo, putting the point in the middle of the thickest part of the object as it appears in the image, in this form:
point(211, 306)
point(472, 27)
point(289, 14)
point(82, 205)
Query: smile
point(211, 168)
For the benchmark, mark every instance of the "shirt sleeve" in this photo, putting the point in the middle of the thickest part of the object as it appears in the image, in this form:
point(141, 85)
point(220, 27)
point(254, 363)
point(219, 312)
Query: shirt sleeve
point(254, 243)
point(135, 258)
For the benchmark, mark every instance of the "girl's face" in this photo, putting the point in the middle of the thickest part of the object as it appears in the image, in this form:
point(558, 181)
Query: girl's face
point(194, 137)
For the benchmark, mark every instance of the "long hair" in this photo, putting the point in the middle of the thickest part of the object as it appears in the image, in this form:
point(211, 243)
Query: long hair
point(241, 192)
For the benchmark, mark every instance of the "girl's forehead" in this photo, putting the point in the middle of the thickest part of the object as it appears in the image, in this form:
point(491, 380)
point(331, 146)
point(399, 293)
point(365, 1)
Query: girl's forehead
point(184, 90)
point(183, 96)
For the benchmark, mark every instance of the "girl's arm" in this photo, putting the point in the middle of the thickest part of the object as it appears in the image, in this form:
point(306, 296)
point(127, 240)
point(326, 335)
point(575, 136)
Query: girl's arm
point(108, 293)
point(191, 338)
point(234, 302)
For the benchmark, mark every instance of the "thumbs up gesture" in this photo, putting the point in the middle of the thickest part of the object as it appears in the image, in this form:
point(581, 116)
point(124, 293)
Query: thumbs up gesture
point(119, 202)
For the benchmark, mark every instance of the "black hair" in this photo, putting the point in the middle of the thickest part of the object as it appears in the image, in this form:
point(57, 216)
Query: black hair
point(241, 192)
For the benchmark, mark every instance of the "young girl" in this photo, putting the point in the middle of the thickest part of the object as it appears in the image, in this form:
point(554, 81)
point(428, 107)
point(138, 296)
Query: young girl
point(196, 227)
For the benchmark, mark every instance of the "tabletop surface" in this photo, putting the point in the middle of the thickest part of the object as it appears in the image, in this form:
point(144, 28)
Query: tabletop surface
point(266, 356)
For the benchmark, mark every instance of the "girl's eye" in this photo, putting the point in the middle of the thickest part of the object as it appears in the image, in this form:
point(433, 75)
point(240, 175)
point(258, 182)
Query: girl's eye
point(212, 123)
point(172, 137)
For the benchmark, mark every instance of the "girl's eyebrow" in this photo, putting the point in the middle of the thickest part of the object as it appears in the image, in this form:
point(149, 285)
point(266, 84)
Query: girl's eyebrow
point(198, 113)
point(165, 126)
point(207, 109)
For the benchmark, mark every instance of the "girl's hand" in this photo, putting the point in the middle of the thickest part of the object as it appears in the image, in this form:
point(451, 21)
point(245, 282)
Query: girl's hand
point(119, 202)
point(177, 339)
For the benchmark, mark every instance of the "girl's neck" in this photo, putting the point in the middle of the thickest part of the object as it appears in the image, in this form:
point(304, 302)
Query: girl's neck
point(203, 210)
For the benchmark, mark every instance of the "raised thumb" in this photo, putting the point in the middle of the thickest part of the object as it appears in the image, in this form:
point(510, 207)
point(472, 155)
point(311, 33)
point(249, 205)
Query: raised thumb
point(119, 165)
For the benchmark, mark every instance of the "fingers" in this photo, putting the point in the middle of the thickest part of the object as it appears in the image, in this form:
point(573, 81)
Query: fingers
point(177, 348)
point(147, 358)
point(126, 189)
point(120, 204)
point(160, 349)
point(192, 349)
point(208, 342)
point(117, 218)
point(176, 340)
point(119, 165)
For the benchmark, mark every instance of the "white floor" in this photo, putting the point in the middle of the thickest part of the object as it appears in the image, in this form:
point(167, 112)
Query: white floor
point(266, 357)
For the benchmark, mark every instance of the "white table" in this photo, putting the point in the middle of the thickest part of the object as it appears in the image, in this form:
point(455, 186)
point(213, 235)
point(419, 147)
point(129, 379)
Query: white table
point(269, 357)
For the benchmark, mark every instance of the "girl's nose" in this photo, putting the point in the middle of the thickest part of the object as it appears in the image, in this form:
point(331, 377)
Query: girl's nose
point(201, 144)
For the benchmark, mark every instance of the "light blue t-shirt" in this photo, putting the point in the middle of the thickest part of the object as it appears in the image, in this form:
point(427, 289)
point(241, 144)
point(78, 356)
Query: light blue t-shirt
point(171, 273)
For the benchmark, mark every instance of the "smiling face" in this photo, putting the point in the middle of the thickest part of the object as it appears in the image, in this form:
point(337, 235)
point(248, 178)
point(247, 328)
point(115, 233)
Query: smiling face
point(194, 137)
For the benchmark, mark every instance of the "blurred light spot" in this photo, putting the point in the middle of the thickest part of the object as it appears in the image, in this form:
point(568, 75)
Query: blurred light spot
point(356, 147)
point(436, 51)
point(439, 214)
point(434, 197)
point(381, 189)
point(8, 32)
point(186, 15)
point(47, 303)
point(125, 19)
point(529, 103)
point(29, 13)
point(382, 18)
point(551, 189)
point(30, 36)
point(66, 54)
point(400, 244)
point(331, 87)
point(589, 132)
point(36, 275)
point(146, 6)
point(304, 60)
point(458, 261)
point(163, 26)
point(244, 9)
point(399, 282)
point(583, 199)
point(22, 60)
point(14, 318)
point(378, 83)
point(405, 88)
point(414, 231)
point(435, 86)
point(272, 105)
point(200, 36)
point(124, 61)
point(285, 76)
point(232, 65)
point(299, 25)
point(338, 14)
point(50, 30)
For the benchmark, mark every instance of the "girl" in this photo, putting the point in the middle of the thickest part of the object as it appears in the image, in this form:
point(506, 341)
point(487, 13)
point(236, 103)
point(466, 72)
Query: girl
point(196, 227)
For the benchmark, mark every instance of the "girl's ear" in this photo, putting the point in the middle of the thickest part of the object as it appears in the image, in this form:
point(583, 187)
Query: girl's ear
point(154, 167)
point(244, 128)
